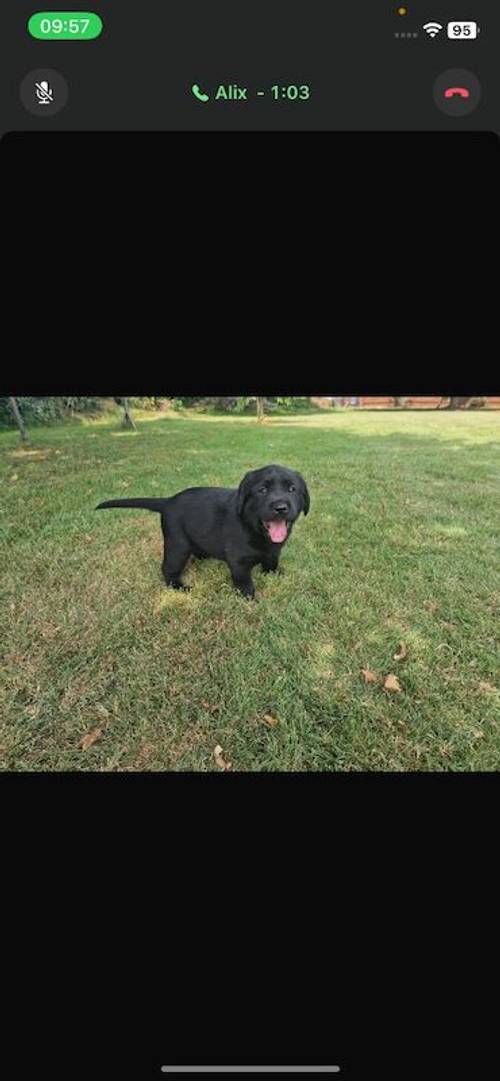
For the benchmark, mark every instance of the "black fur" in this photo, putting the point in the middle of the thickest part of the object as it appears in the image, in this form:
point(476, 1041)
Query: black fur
point(231, 524)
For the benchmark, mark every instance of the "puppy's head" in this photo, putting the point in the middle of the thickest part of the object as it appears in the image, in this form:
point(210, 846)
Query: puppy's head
point(271, 499)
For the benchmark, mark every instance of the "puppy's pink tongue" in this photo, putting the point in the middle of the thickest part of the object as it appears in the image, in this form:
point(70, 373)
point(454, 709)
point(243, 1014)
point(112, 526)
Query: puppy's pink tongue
point(277, 531)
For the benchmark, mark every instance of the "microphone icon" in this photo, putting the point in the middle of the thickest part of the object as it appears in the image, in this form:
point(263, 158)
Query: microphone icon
point(44, 93)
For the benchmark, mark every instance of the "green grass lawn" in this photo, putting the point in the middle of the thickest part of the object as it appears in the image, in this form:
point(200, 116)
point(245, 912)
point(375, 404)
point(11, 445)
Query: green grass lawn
point(401, 546)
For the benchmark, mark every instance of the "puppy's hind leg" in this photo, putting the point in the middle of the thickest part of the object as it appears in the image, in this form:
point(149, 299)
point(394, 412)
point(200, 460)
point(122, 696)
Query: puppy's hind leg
point(176, 552)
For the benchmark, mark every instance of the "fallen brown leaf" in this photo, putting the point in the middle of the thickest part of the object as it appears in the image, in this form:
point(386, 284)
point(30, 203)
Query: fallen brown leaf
point(402, 653)
point(392, 683)
point(90, 738)
point(271, 721)
point(369, 677)
point(221, 762)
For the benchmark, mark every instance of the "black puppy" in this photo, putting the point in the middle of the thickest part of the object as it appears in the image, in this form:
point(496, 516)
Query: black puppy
point(242, 526)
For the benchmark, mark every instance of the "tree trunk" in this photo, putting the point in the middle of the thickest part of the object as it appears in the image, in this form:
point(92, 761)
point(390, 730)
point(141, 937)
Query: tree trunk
point(459, 403)
point(401, 402)
point(128, 420)
point(19, 421)
point(260, 408)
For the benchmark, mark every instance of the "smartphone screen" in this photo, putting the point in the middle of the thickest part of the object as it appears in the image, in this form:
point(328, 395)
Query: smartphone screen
point(244, 198)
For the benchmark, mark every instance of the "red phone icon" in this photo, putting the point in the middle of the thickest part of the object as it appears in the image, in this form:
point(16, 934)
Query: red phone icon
point(460, 90)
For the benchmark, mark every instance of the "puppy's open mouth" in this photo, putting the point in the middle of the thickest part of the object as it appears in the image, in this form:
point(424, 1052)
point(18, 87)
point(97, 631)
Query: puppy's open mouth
point(277, 530)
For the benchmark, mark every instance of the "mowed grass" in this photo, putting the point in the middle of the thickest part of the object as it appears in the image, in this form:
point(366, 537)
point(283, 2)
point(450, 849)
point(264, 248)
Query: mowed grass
point(401, 546)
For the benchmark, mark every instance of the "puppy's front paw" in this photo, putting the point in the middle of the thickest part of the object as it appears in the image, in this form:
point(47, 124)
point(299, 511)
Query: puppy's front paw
point(248, 594)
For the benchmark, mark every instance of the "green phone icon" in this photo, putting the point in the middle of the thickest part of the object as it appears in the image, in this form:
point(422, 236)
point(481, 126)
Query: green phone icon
point(199, 93)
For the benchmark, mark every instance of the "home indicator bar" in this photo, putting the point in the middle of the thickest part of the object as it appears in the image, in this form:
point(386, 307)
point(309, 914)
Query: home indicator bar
point(250, 1069)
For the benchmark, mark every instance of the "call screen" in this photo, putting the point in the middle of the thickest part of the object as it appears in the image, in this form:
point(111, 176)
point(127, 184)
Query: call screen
point(293, 65)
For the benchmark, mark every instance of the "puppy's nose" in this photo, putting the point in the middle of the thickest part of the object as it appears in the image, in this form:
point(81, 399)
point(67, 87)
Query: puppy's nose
point(281, 507)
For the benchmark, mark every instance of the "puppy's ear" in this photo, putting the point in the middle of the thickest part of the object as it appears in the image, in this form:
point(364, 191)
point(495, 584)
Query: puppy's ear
point(304, 491)
point(244, 491)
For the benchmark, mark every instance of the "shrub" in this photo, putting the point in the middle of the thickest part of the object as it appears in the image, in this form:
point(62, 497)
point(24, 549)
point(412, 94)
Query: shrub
point(46, 410)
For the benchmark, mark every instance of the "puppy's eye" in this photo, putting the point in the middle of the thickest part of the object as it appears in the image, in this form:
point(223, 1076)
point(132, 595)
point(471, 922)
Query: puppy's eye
point(263, 490)
point(292, 488)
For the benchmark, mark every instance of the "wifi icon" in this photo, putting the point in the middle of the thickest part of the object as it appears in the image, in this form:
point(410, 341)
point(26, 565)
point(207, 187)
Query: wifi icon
point(433, 29)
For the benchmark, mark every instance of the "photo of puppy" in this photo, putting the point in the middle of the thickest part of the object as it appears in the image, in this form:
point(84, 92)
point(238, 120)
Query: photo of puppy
point(243, 526)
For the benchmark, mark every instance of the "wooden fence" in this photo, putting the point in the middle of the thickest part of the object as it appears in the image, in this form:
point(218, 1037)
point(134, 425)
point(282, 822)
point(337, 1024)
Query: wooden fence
point(379, 402)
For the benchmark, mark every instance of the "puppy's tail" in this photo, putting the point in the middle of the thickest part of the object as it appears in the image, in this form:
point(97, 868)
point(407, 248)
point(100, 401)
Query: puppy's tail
point(146, 504)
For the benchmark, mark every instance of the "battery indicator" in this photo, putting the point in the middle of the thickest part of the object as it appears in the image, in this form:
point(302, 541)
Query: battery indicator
point(463, 31)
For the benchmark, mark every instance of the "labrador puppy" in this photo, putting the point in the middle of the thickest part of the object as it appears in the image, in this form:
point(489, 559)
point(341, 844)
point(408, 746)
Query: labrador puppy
point(243, 526)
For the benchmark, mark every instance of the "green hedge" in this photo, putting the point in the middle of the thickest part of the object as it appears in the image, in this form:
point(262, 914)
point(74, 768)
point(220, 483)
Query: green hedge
point(243, 404)
point(47, 410)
